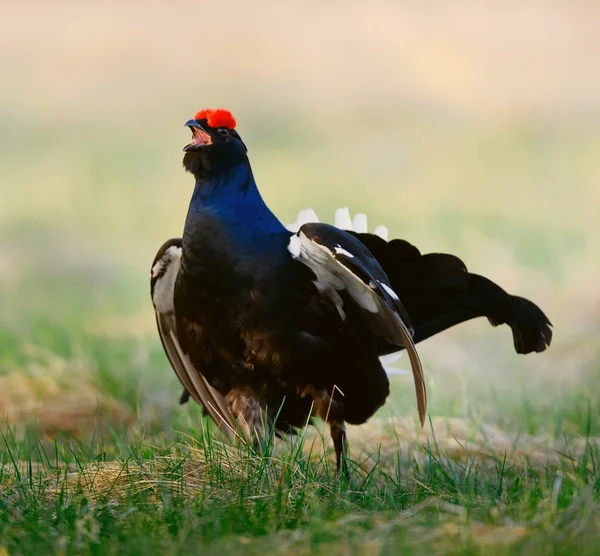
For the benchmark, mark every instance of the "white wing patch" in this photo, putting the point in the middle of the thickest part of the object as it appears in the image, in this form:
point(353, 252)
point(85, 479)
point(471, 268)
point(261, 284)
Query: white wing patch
point(339, 250)
point(389, 290)
point(331, 275)
point(163, 289)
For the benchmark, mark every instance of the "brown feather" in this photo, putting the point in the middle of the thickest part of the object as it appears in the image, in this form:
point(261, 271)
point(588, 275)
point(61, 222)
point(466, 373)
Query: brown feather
point(417, 368)
point(198, 387)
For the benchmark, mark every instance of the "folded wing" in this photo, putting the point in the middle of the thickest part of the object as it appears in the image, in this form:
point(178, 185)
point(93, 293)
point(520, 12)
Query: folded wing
point(162, 282)
point(341, 263)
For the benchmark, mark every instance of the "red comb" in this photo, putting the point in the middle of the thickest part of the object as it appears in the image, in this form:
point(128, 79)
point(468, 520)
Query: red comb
point(216, 117)
point(202, 115)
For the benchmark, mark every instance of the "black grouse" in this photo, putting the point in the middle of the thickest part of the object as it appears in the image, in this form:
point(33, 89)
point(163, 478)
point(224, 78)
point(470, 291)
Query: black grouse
point(266, 328)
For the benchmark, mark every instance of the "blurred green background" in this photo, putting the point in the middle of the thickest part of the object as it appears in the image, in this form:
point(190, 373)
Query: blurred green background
point(471, 127)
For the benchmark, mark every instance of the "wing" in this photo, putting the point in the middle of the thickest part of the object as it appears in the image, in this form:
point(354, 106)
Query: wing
point(439, 292)
point(341, 262)
point(162, 283)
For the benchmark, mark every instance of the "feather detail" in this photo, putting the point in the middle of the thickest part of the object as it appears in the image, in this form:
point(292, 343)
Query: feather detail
point(359, 223)
point(339, 262)
point(382, 232)
point(342, 219)
point(304, 217)
point(162, 280)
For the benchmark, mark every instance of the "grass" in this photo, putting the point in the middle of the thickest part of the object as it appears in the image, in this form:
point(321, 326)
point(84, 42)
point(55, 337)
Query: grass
point(190, 494)
point(104, 461)
point(425, 117)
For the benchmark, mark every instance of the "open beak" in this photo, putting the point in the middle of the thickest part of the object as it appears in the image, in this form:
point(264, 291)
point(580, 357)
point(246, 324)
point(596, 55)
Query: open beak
point(200, 137)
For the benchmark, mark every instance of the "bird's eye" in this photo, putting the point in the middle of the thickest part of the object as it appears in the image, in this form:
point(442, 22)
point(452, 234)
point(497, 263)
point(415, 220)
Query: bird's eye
point(223, 130)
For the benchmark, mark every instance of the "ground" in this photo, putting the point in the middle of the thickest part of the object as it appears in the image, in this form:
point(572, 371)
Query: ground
point(464, 131)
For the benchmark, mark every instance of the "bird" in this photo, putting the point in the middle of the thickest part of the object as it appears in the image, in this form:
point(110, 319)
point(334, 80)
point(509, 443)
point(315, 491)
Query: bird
point(268, 327)
point(342, 220)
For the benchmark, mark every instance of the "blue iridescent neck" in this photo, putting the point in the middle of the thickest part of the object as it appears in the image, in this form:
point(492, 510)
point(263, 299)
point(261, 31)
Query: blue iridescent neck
point(231, 195)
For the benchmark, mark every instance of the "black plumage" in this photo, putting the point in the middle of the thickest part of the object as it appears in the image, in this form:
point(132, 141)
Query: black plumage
point(438, 292)
point(259, 322)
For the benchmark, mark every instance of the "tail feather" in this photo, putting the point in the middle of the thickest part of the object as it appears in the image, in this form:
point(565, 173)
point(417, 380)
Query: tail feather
point(530, 327)
point(439, 292)
point(532, 330)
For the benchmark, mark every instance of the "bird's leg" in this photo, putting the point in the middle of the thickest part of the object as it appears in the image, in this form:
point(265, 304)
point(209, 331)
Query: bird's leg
point(338, 434)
